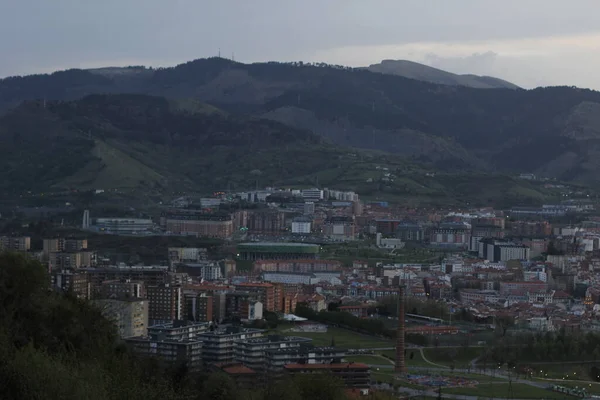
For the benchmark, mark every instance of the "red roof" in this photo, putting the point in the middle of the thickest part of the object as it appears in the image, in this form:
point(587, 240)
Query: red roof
point(238, 369)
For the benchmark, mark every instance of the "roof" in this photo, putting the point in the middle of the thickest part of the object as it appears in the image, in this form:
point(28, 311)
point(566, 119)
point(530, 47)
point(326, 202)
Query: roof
point(235, 369)
point(326, 366)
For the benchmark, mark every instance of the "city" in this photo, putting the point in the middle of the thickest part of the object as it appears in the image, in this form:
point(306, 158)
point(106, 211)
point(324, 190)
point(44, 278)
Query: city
point(299, 200)
point(308, 280)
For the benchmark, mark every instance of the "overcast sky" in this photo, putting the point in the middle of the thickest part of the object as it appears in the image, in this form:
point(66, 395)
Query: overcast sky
point(529, 42)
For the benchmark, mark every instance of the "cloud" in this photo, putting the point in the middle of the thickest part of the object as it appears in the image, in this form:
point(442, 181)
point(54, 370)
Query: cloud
point(476, 63)
point(528, 62)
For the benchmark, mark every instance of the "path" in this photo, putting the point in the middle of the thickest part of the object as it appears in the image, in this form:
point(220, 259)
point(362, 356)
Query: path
point(432, 363)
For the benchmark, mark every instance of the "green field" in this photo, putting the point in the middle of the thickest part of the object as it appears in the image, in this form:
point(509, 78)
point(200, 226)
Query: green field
point(566, 371)
point(460, 357)
point(342, 338)
point(413, 358)
point(501, 390)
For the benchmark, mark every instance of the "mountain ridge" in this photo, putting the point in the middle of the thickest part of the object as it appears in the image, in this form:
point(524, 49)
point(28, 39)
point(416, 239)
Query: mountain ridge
point(550, 131)
point(426, 73)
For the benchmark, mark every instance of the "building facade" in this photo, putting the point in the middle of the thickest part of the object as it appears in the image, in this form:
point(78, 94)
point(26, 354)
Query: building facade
point(129, 315)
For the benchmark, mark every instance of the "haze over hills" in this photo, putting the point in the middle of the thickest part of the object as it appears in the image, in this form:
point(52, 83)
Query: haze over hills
point(551, 131)
point(421, 72)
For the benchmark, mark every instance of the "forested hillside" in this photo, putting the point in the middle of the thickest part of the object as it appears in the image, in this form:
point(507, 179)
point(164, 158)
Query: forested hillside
point(550, 131)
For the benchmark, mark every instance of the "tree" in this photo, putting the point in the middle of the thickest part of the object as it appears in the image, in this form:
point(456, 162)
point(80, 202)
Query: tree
point(219, 386)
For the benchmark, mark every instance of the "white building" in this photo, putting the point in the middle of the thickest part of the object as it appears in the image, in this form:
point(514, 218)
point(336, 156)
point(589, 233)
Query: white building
point(255, 311)
point(312, 194)
point(124, 226)
point(495, 250)
point(302, 278)
point(541, 298)
point(389, 243)
point(301, 227)
point(187, 254)
point(208, 271)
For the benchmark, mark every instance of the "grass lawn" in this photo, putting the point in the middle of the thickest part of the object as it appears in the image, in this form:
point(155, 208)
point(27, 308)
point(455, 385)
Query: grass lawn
point(413, 357)
point(367, 359)
point(568, 371)
point(459, 356)
point(342, 337)
point(519, 391)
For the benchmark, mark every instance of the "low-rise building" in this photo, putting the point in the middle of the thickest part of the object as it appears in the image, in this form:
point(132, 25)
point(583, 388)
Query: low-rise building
point(354, 375)
point(219, 345)
point(253, 352)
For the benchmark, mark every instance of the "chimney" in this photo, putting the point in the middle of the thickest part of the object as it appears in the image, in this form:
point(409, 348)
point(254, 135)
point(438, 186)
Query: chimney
point(400, 362)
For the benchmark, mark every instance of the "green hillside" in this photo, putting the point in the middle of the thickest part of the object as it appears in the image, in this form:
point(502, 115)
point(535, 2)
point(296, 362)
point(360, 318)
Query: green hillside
point(144, 144)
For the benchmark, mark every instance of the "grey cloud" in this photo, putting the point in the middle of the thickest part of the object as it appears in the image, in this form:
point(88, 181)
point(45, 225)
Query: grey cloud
point(476, 63)
point(41, 35)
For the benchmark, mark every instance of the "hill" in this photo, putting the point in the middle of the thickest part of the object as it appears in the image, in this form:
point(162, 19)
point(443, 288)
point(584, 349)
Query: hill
point(421, 72)
point(548, 131)
point(131, 141)
point(142, 144)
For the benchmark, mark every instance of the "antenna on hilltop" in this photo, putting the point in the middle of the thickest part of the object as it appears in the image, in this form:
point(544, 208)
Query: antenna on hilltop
point(219, 53)
point(232, 56)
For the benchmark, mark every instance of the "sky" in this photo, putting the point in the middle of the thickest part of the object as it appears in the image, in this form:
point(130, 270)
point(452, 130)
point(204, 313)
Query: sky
point(528, 42)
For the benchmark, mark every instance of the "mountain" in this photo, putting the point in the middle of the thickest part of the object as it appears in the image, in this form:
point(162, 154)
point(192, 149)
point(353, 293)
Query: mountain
point(549, 131)
point(420, 72)
point(140, 145)
point(133, 141)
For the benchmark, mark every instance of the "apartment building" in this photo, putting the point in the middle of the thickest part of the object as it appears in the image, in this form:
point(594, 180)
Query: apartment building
point(17, 243)
point(263, 292)
point(130, 315)
point(151, 276)
point(198, 306)
point(253, 352)
point(178, 330)
point(495, 250)
point(451, 234)
point(71, 260)
point(58, 245)
point(305, 354)
point(124, 226)
point(169, 351)
point(217, 225)
point(340, 228)
point(297, 266)
point(266, 222)
point(119, 289)
point(219, 345)
point(166, 303)
point(74, 281)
